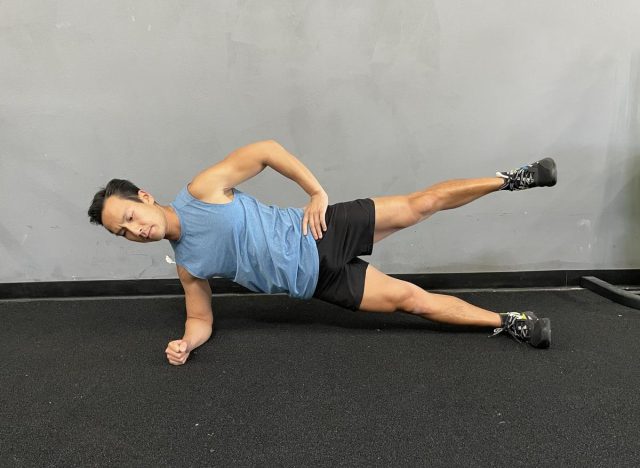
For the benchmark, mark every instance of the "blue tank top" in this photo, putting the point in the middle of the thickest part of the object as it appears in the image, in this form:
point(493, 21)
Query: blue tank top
point(258, 246)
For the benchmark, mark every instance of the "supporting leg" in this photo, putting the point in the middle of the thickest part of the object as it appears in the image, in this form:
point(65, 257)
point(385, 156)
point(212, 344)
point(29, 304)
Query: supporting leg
point(383, 293)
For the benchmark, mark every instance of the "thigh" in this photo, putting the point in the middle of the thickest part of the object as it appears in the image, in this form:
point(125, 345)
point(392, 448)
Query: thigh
point(398, 212)
point(383, 293)
point(342, 285)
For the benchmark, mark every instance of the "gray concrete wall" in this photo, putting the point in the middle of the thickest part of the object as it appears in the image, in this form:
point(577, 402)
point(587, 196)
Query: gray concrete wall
point(375, 97)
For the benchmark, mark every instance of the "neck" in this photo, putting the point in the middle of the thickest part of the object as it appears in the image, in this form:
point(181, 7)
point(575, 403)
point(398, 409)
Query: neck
point(173, 223)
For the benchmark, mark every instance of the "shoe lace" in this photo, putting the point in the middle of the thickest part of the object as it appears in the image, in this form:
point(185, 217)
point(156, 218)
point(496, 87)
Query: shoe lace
point(515, 326)
point(520, 178)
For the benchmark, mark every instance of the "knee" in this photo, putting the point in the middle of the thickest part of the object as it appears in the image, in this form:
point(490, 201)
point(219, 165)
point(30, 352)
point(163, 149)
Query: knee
point(411, 299)
point(398, 297)
point(426, 203)
point(417, 301)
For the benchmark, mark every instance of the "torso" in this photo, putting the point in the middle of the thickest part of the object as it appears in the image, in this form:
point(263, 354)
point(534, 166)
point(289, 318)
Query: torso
point(197, 189)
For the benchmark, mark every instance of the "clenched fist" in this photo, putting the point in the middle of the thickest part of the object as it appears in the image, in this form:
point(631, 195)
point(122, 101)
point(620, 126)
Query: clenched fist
point(177, 352)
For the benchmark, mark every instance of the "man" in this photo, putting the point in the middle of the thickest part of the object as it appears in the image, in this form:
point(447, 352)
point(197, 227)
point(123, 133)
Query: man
point(217, 230)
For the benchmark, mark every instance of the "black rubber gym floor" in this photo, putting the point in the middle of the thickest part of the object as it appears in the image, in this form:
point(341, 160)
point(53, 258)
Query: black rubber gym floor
point(85, 382)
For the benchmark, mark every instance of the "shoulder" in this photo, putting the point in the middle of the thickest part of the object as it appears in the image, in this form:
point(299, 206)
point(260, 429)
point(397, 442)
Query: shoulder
point(184, 275)
point(214, 184)
point(188, 280)
point(202, 189)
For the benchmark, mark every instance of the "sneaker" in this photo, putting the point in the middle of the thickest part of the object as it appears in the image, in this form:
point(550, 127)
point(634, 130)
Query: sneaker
point(541, 173)
point(526, 327)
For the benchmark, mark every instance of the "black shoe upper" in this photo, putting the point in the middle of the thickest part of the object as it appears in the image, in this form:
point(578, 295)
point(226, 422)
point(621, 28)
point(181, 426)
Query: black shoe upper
point(541, 173)
point(526, 327)
point(546, 173)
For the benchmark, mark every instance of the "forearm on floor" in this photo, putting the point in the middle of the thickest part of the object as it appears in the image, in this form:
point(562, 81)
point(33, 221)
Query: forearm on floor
point(197, 332)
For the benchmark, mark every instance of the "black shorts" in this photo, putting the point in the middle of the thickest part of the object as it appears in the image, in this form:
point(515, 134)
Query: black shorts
point(350, 229)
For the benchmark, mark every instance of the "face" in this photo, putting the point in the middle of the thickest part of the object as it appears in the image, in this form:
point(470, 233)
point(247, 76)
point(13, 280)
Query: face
point(138, 222)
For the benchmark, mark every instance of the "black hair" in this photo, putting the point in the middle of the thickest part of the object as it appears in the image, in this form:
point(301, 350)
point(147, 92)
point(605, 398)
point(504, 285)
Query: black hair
point(119, 187)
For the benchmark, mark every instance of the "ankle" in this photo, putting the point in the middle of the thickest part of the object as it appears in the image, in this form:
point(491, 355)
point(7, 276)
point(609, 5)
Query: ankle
point(502, 182)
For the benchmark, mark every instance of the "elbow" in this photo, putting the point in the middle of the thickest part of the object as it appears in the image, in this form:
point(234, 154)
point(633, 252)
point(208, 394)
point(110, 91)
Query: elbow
point(270, 143)
point(269, 149)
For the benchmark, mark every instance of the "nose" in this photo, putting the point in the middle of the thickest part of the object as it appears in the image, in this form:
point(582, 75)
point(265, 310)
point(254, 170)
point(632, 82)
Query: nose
point(135, 230)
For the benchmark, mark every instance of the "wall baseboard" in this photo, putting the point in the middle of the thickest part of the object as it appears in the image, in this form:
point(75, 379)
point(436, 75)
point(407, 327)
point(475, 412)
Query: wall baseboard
point(429, 281)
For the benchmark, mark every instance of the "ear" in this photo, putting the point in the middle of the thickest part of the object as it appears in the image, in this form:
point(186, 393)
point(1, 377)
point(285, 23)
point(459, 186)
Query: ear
point(146, 197)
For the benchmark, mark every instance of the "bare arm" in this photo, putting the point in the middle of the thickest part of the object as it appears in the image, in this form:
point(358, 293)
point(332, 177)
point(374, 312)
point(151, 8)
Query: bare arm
point(197, 296)
point(289, 166)
point(248, 161)
point(199, 324)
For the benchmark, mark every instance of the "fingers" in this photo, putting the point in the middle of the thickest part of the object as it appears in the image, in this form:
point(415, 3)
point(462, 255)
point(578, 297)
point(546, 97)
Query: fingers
point(323, 221)
point(314, 230)
point(177, 360)
point(315, 214)
point(315, 220)
point(177, 353)
point(319, 225)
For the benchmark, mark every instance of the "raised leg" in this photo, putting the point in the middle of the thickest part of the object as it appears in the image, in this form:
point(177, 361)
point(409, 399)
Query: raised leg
point(382, 293)
point(398, 212)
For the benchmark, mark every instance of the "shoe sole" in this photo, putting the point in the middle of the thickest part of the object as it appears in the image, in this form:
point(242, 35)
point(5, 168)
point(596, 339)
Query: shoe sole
point(541, 335)
point(549, 165)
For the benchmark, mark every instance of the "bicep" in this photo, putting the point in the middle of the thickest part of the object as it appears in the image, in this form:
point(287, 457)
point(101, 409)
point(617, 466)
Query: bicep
point(239, 166)
point(197, 296)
